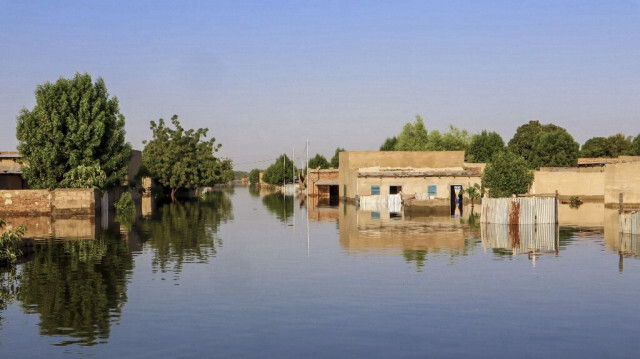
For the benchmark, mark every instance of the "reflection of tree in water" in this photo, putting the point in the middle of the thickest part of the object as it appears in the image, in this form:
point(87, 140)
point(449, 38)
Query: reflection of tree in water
point(281, 206)
point(254, 191)
point(77, 287)
point(415, 255)
point(9, 289)
point(184, 232)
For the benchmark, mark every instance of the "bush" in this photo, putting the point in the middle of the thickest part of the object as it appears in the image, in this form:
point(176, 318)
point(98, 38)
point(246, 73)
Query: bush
point(125, 206)
point(9, 242)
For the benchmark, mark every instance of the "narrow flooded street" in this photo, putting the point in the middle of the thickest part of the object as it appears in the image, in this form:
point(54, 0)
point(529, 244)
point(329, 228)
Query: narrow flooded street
point(244, 274)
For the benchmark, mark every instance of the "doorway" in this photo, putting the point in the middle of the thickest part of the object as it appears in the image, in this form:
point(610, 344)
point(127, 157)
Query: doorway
point(395, 189)
point(455, 200)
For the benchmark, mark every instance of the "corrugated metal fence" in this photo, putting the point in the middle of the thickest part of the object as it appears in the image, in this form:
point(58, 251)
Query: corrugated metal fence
point(519, 210)
point(520, 238)
point(629, 222)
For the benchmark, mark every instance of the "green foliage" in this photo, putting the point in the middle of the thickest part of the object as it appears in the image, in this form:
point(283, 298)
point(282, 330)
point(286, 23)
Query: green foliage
point(319, 161)
point(523, 140)
point(280, 171)
point(335, 160)
point(612, 146)
point(389, 144)
point(483, 146)
point(85, 177)
point(254, 176)
point(238, 175)
point(179, 158)
point(554, 149)
point(634, 149)
point(507, 173)
point(125, 208)
point(74, 135)
point(9, 242)
point(473, 192)
point(415, 137)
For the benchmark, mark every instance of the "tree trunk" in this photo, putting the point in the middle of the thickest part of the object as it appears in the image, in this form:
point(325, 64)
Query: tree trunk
point(173, 194)
point(197, 192)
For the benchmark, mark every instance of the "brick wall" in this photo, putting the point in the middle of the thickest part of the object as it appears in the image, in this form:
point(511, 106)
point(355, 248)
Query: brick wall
point(25, 201)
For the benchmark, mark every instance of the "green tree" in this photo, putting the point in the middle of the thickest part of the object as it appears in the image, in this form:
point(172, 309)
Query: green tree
point(473, 192)
point(281, 171)
point(554, 149)
point(455, 140)
point(254, 176)
point(319, 161)
point(522, 142)
point(335, 160)
point(183, 159)
point(507, 173)
point(414, 137)
point(389, 144)
point(612, 146)
point(594, 147)
point(74, 136)
point(634, 149)
point(483, 146)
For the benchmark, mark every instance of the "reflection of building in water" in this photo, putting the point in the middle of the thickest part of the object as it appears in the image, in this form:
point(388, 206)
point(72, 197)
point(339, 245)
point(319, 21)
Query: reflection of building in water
point(588, 214)
point(382, 231)
point(524, 238)
point(39, 227)
point(321, 209)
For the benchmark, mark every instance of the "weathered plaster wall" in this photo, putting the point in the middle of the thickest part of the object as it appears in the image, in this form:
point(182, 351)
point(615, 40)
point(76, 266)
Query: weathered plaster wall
point(588, 185)
point(622, 178)
point(350, 161)
point(413, 185)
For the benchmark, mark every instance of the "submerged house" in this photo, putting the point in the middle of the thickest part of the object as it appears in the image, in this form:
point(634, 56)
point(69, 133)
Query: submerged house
point(414, 178)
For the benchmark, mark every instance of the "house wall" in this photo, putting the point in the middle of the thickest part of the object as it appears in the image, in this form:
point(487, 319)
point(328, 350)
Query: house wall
point(586, 184)
point(351, 161)
point(317, 175)
point(622, 178)
point(413, 185)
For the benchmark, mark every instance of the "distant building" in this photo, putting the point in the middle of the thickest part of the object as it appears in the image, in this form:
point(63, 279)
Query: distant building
point(420, 177)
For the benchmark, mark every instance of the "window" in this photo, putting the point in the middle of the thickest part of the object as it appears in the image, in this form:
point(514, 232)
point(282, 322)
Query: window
point(432, 189)
point(375, 190)
point(375, 215)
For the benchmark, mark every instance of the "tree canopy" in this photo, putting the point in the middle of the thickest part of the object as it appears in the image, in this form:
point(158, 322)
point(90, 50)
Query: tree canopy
point(507, 173)
point(522, 142)
point(612, 146)
point(554, 149)
point(483, 146)
point(281, 171)
point(415, 137)
point(183, 159)
point(74, 136)
point(254, 176)
point(335, 160)
point(319, 161)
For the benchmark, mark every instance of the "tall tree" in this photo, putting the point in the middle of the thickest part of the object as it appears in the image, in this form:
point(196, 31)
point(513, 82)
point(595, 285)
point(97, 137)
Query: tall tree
point(554, 149)
point(522, 141)
point(594, 147)
point(612, 146)
point(483, 146)
point(74, 136)
point(455, 140)
point(281, 171)
point(319, 161)
point(183, 159)
point(254, 176)
point(507, 173)
point(335, 160)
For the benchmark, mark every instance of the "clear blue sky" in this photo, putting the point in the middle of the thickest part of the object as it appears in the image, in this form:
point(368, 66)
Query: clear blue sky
point(264, 76)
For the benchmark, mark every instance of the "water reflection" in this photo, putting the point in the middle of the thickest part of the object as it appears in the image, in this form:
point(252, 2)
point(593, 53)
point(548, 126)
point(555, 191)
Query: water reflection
point(414, 234)
point(77, 287)
point(281, 206)
point(185, 232)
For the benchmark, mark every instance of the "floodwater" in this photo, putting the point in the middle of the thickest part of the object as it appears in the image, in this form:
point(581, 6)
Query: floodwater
point(243, 274)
